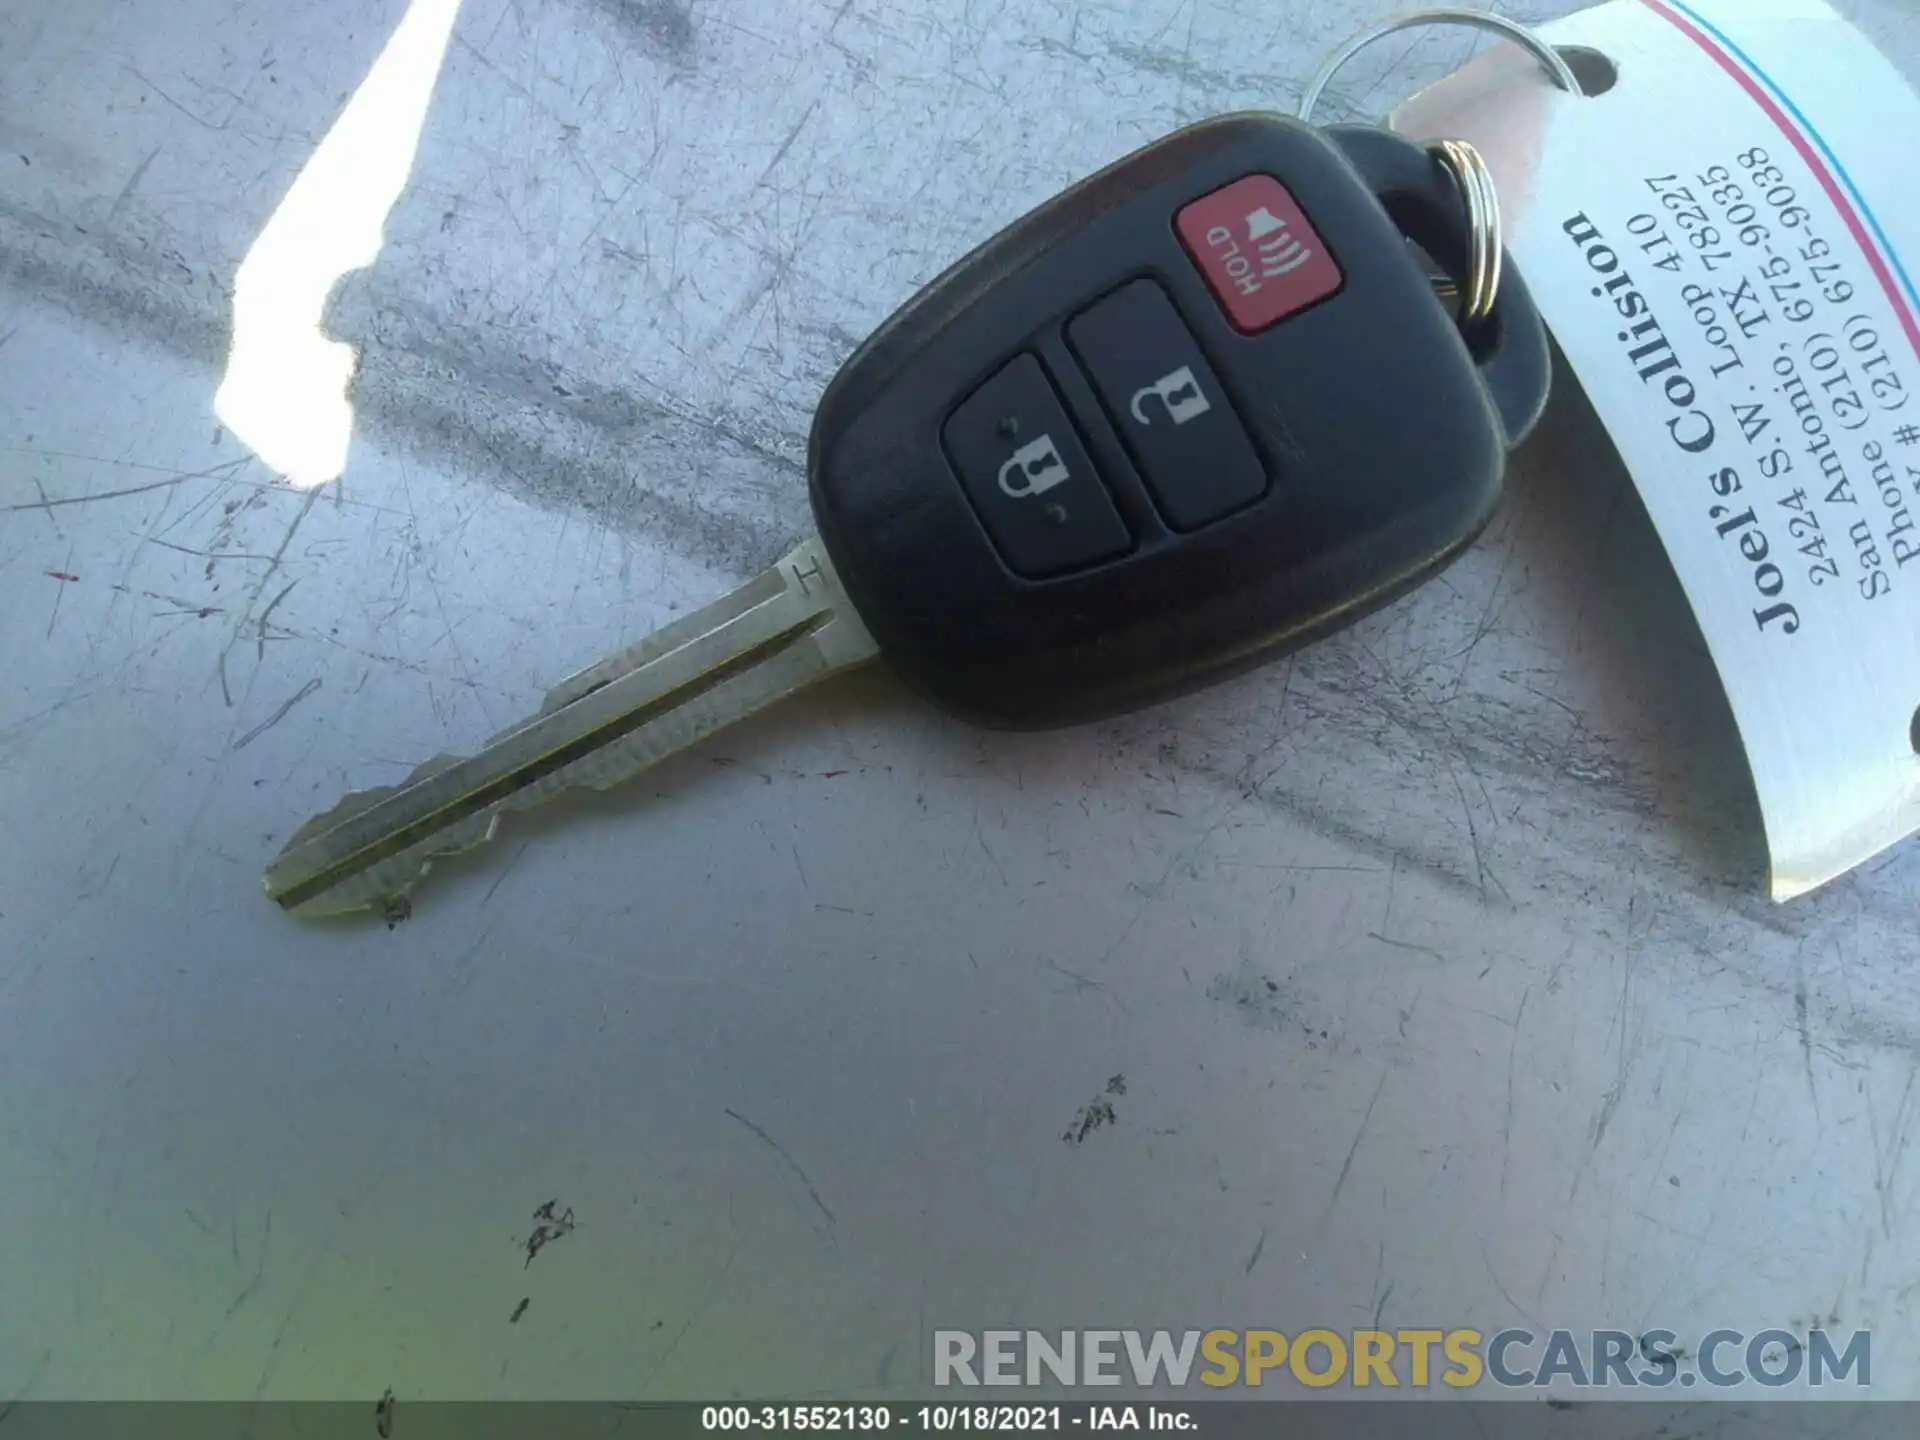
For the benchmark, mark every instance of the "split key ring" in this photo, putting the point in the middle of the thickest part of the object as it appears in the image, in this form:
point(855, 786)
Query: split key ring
point(1467, 166)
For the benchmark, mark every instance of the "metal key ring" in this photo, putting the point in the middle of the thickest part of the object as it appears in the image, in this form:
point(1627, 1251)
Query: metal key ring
point(1554, 61)
point(1486, 244)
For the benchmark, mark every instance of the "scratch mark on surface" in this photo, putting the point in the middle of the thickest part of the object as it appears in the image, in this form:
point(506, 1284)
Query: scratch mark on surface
point(1186, 59)
point(512, 84)
point(1398, 944)
point(1506, 1129)
point(992, 859)
point(1485, 627)
point(792, 1164)
point(279, 554)
point(1623, 1067)
point(104, 881)
point(1346, 1166)
point(45, 504)
point(1259, 1249)
point(39, 1369)
point(706, 1307)
point(274, 719)
point(520, 1309)
point(204, 554)
point(1504, 1295)
point(259, 1269)
point(1884, 1169)
point(41, 490)
point(506, 872)
point(433, 587)
point(66, 578)
point(787, 144)
point(180, 607)
point(260, 631)
point(26, 724)
point(1473, 835)
point(139, 172)
point(1806, 1033)
point(321, 1255)
point(119, 464)
point(199, 120)
point(1380, 1308)
point(1083, 983)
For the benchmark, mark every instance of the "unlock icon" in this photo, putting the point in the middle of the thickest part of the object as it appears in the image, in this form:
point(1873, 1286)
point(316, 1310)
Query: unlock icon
point(1035, 468)
point(1179, 392)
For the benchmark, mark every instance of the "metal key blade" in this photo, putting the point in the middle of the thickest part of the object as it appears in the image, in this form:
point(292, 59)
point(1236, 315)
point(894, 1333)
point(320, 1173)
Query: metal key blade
point(782, 630)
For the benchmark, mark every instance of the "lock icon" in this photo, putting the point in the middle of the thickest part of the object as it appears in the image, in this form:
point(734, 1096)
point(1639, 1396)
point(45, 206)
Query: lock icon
point(1035, 468)
point(1178, 391)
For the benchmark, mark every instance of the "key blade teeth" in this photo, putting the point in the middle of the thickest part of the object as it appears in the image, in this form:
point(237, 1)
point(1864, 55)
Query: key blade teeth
point(385, 885)
point(358, 802)
point(779, 632)
point(393, 903)
point(372, 889)
point(351, 805)
point(336, 901)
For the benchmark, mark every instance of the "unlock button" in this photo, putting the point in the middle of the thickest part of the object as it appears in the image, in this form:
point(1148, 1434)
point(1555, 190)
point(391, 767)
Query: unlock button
point(1168, 405)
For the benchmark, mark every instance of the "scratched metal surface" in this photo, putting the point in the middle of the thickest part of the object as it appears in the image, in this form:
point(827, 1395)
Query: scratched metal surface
point(1434, 962)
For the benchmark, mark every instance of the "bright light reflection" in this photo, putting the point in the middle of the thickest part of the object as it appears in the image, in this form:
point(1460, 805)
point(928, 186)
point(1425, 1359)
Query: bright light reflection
point(285, 390)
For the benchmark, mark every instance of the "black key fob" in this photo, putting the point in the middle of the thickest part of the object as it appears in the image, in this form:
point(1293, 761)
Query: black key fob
point(1199, 410)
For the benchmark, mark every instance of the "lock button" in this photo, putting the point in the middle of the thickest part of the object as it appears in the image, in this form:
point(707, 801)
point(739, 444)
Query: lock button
point(1168, 405)
point(1030, 480)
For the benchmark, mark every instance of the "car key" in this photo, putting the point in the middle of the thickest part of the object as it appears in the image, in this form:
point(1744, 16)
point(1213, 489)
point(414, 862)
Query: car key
point(1197, 411)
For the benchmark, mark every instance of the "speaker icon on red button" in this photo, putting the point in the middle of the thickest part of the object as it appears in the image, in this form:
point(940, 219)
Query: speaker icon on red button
point(1260, 254)
point(1280, 253)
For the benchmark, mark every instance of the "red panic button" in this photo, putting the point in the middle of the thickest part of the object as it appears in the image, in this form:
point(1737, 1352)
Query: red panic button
point(1262, 257)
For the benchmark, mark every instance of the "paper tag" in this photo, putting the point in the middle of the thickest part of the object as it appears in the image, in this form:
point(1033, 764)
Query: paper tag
point(1716, 243)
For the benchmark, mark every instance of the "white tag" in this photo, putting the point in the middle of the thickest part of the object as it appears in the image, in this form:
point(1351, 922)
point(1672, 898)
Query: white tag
point(1717, 244)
